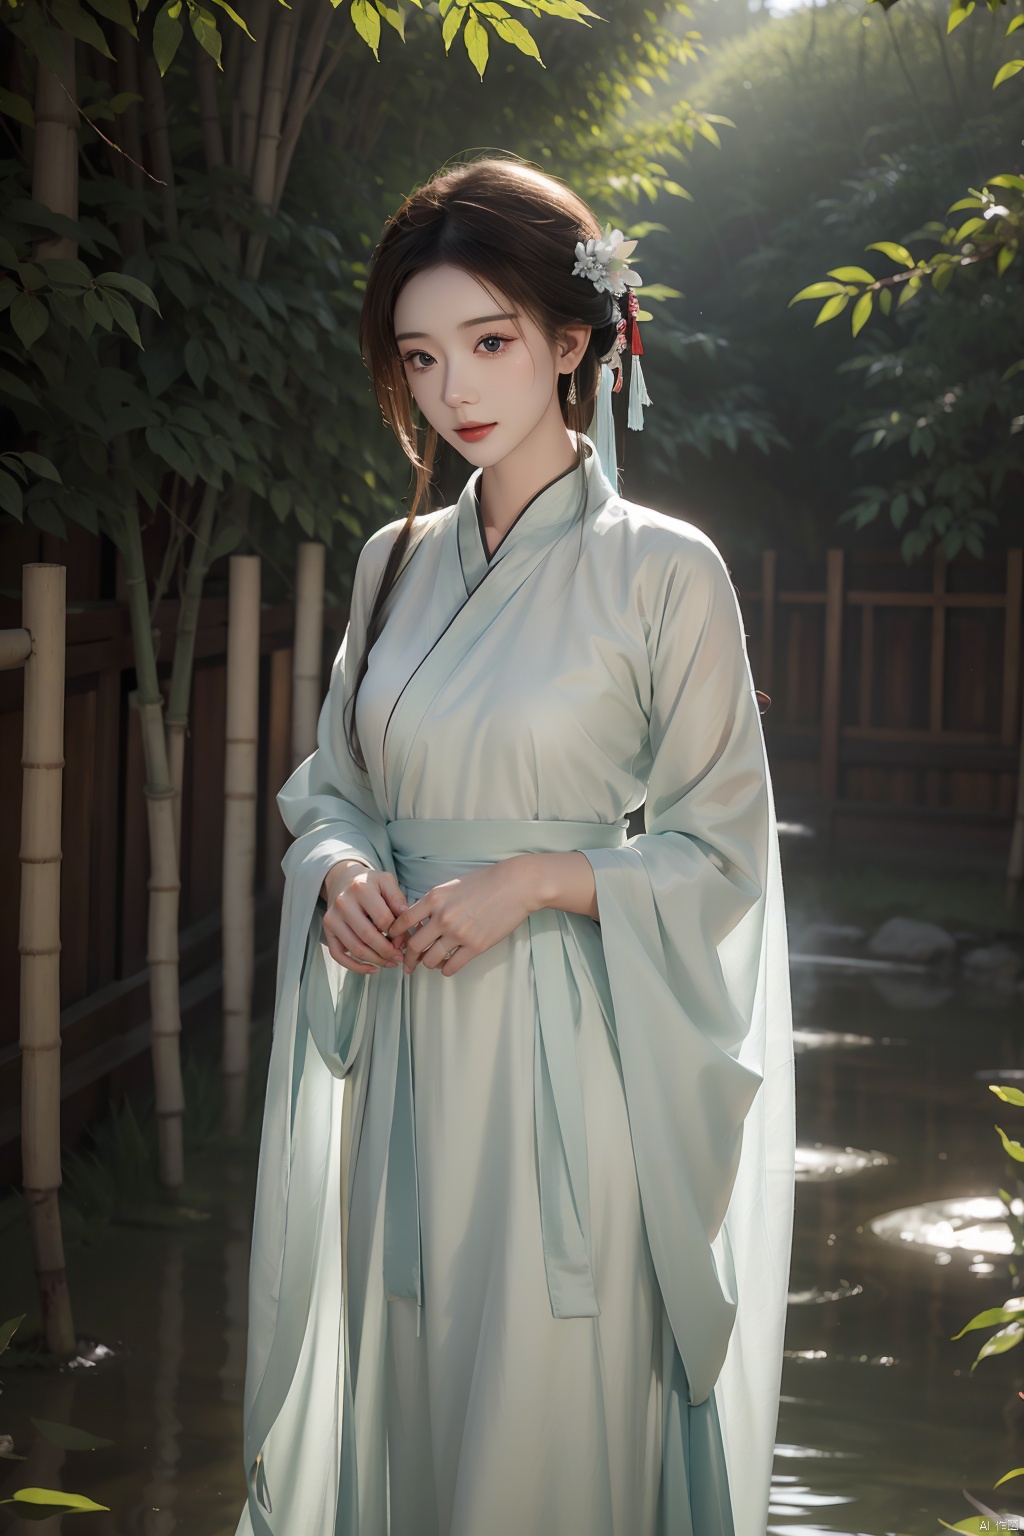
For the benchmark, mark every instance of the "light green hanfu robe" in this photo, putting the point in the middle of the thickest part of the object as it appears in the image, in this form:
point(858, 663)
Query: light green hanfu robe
point(522, 1234)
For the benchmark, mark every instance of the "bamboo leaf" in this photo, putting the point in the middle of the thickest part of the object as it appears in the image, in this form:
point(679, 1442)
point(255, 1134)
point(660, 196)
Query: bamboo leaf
point(968, 228)
point(1017, 1472)
point(477, 43)
point(893, 251)
point(1018, 21)
point(452, 23)
point(1009, 69)
point(70, 17)
point(861, 312)
point(1006, 179)
point(957, 14)
point(366, 20)
point(1004, 258)
point(13, 105)
point(167, 34)
point(29, 317)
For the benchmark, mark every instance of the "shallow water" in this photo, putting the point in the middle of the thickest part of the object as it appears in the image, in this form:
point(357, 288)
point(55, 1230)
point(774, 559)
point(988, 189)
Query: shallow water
point(882, 1424)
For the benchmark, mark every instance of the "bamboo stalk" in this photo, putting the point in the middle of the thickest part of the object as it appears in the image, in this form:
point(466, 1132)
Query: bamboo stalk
point(264, 169)
point(164, 884)
point(55, 157)
point(239, 865)
point(300, 98)
point(243, 148)
point(307, 654)
point(1015, 868)
point(155, 103)
point(183, 665)
point(131, 229)
point(43, 608)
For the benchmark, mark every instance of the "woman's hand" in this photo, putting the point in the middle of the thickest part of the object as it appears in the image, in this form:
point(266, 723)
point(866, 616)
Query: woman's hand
point(473, 912)
point(361, 902)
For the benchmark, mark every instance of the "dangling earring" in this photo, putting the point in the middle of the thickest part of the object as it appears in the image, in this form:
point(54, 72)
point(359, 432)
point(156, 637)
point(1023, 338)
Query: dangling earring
point(571, 396)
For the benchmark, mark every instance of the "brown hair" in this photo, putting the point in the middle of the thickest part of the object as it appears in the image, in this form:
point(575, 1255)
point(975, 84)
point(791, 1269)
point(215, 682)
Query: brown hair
point(504, 222)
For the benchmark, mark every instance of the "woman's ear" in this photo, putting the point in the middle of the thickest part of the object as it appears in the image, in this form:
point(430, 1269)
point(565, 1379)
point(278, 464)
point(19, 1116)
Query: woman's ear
point(573, 342)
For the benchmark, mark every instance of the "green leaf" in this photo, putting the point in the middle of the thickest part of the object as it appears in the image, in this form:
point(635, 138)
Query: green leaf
point(11, 500)
point(452, 23)
point(366, 20)
point(861, 312)
point(968, 228)
point(1018, 21)
point(13, 105)
point(71, 18)
point(853, 275)
point(1013, 369)
point(394, 17)
point(9, 1328)
point(130, 285)
point(965, 202)
point(15, 388)
point(1017, 1472)
point(41, 466)
point(816, 291)
point(1006, 179)
point(234, 17)
point(197, 362)
point(1004, 258)
point(832, 307)
point(205, 30)
point(118, 11)
point(942, 277)
point(1007, 1338)
point(29, 317)
point(1009, 69)
point(885, 300)
point(1014, 1148)
point(893, 251)
point(477, 44)
point(69, 1438)
point(167, 34)
point(124, 315)
point(54, 1499)
point(512, 31)
point(957, 14)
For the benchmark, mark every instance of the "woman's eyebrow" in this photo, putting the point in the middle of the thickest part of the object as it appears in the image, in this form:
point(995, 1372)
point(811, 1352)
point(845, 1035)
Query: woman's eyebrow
point(463, 325)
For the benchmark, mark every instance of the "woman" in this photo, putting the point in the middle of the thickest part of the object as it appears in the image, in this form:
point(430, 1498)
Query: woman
point(524, 1207)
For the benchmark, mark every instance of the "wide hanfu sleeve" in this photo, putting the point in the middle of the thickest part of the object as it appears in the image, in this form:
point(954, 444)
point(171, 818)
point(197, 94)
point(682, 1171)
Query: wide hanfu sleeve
point(693, 930)
point(292, 1412)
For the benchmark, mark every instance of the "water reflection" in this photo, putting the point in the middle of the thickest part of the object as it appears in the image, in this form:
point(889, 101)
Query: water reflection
point(899, 1239)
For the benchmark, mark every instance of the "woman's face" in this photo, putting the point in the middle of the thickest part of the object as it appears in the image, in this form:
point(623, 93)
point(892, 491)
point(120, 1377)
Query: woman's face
point(469, 359)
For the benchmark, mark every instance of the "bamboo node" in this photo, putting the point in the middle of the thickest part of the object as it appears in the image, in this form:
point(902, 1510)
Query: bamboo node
point(54, 951)
point(49, 858)
point(158, 794)
point(28, 763)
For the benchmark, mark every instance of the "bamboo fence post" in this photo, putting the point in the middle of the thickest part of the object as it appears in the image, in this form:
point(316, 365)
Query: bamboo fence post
point(43, 611)
point(831, 692)
point(239, 865)
point(307, 695)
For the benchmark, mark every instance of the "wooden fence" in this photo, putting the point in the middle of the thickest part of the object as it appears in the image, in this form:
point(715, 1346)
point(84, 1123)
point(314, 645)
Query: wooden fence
point(896, 691)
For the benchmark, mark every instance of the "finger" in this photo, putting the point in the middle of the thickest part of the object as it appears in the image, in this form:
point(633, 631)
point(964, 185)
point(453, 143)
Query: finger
point(380, 947)
point(435, 955)
point(380, 915)
point(346, 938)
point(457, 961)
point(417, 913)
point(392, 893)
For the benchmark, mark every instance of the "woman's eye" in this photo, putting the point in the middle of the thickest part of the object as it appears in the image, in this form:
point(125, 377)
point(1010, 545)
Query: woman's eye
point(418, 366)
point(499, 339)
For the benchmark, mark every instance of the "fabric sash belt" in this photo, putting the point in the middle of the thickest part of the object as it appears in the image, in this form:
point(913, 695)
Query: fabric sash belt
point(427, 853)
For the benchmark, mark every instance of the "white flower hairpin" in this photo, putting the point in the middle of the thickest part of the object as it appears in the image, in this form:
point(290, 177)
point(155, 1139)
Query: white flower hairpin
point(604, 262)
